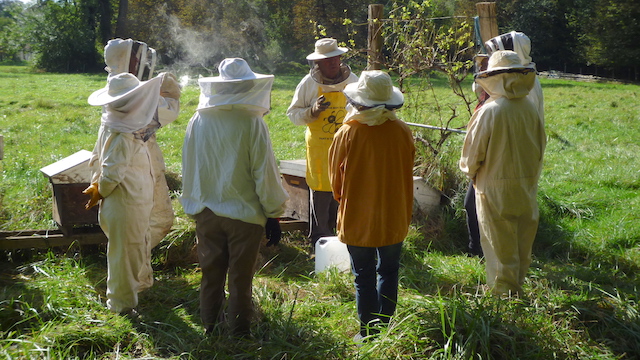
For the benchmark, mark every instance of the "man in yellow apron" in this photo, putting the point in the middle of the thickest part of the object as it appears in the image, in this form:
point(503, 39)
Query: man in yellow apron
point(319, 104)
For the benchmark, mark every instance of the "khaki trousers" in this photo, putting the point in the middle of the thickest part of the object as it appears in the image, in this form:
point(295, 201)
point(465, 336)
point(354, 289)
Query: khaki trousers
point(227, 247)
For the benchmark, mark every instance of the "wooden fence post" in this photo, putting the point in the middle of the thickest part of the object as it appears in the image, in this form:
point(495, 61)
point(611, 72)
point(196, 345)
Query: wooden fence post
point(374, 52)
point(488, 20)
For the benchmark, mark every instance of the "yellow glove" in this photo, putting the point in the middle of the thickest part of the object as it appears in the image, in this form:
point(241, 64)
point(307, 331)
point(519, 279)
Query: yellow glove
point(170, 87)
point(92, 191)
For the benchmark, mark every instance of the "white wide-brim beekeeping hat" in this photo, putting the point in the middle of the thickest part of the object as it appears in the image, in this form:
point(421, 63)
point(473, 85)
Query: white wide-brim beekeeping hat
point(234, 70)
point(505, 61)
point(236, 84)
point(374, 88)
point(326, 48)
point(118, 87)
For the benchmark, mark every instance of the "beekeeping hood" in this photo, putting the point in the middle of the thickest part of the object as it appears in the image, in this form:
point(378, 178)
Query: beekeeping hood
point(131, 56)
point(514, 41)
point(128, 103)
point(506, 76)
point(236, 85)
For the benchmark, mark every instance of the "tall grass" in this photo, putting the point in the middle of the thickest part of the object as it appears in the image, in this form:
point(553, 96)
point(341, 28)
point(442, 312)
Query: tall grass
point(581, 294)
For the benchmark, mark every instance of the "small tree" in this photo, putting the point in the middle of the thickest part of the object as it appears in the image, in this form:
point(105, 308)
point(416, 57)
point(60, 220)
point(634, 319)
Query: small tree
point(63, 35)
point(422, 45)
point(11, 40)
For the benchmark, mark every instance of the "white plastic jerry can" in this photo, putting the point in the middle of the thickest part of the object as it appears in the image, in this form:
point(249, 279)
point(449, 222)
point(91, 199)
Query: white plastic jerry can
point(330, 251)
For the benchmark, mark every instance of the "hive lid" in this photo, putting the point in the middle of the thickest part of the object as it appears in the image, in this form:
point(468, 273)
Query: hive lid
point(294, 167)
point(73, 169)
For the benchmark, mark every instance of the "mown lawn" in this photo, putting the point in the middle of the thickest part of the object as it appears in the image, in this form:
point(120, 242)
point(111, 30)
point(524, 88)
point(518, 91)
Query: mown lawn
point(581, 296)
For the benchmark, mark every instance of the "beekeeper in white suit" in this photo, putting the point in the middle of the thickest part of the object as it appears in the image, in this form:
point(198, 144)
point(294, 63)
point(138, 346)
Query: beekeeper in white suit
point(121, 176)
point(502, 154)
point(136, 57)
point(232, 187)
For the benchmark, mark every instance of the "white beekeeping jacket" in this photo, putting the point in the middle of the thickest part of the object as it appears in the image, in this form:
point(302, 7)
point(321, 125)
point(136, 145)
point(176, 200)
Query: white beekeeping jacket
point(228, 165)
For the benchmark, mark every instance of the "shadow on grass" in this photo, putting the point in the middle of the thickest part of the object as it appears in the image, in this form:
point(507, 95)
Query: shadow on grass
point(599, 283)
point(555, 243)
point(170, 313)
point(292, 260)
point(17, 300)
point(597, 287)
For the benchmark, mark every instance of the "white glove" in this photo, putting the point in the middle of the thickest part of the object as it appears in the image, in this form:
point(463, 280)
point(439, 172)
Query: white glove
point(170, 87)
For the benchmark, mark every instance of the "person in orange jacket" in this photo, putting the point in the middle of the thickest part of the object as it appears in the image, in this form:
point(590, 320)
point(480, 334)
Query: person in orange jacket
point(371, 164)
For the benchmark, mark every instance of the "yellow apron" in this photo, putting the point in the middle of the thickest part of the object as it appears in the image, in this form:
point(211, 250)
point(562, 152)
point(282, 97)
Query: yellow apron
point(319, 136)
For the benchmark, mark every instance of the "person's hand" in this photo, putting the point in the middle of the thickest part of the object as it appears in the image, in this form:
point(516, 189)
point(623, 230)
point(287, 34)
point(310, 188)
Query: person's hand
point(170, 87)
point(319, 106)
point(273, 231)
point(92, 191)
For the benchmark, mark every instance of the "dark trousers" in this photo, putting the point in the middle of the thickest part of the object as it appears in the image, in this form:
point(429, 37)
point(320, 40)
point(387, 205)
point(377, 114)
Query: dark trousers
point(226, 247)
point(472, 221)
point(324, 213)
point(376, 283)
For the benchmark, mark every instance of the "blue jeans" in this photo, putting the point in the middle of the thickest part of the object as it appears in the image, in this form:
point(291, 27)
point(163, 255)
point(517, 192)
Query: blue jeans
point(376, 282)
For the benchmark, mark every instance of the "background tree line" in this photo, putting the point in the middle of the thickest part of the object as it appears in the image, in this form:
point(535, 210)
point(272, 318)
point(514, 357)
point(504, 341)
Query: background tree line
point(68, 36)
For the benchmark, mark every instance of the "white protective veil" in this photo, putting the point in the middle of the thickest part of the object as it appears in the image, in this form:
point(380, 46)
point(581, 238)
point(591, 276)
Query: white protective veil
point(236, 85)
point(129, 104)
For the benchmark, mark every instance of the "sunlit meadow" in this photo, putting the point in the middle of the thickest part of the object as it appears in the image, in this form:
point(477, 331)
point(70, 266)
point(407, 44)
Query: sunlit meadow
point(580, 299)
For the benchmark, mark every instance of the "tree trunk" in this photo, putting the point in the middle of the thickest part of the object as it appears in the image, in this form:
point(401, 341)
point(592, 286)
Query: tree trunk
point(105, 20)
point(374, 50)
point(488, 20)
point(121, 24)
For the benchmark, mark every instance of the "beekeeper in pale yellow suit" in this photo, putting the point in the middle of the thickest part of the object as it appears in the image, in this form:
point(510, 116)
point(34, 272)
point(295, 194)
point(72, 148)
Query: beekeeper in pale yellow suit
point(137, 58)
point(502, 154)
point(121, 172)
point(319, 103)
point(521, 44)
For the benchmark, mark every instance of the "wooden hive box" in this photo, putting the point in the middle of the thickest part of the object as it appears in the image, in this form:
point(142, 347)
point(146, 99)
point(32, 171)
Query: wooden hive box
point(69, 177)
point(294, 180)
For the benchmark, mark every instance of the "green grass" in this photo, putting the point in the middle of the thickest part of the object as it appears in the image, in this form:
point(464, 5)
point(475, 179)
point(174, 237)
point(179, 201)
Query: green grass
point(581, 295)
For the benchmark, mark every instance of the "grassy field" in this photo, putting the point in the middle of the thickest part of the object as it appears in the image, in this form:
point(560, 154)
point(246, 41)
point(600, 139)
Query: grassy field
point(581, 296)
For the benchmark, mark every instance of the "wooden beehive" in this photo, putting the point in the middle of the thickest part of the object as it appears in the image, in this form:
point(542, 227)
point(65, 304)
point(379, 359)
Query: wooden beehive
point(294, 176)
point(69, 177)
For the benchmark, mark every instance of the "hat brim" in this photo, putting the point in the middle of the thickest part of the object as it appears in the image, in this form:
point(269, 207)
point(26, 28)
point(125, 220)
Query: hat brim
point(219, 79)
point(503, 69)
point(102, 97)
point(318, 56)
point(351, 91)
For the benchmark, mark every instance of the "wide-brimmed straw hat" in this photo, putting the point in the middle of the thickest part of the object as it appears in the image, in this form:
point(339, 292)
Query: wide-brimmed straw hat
point(118, 87)
point(505, 61)
point(234, 70)
point(326, 48)
point(374, 88)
